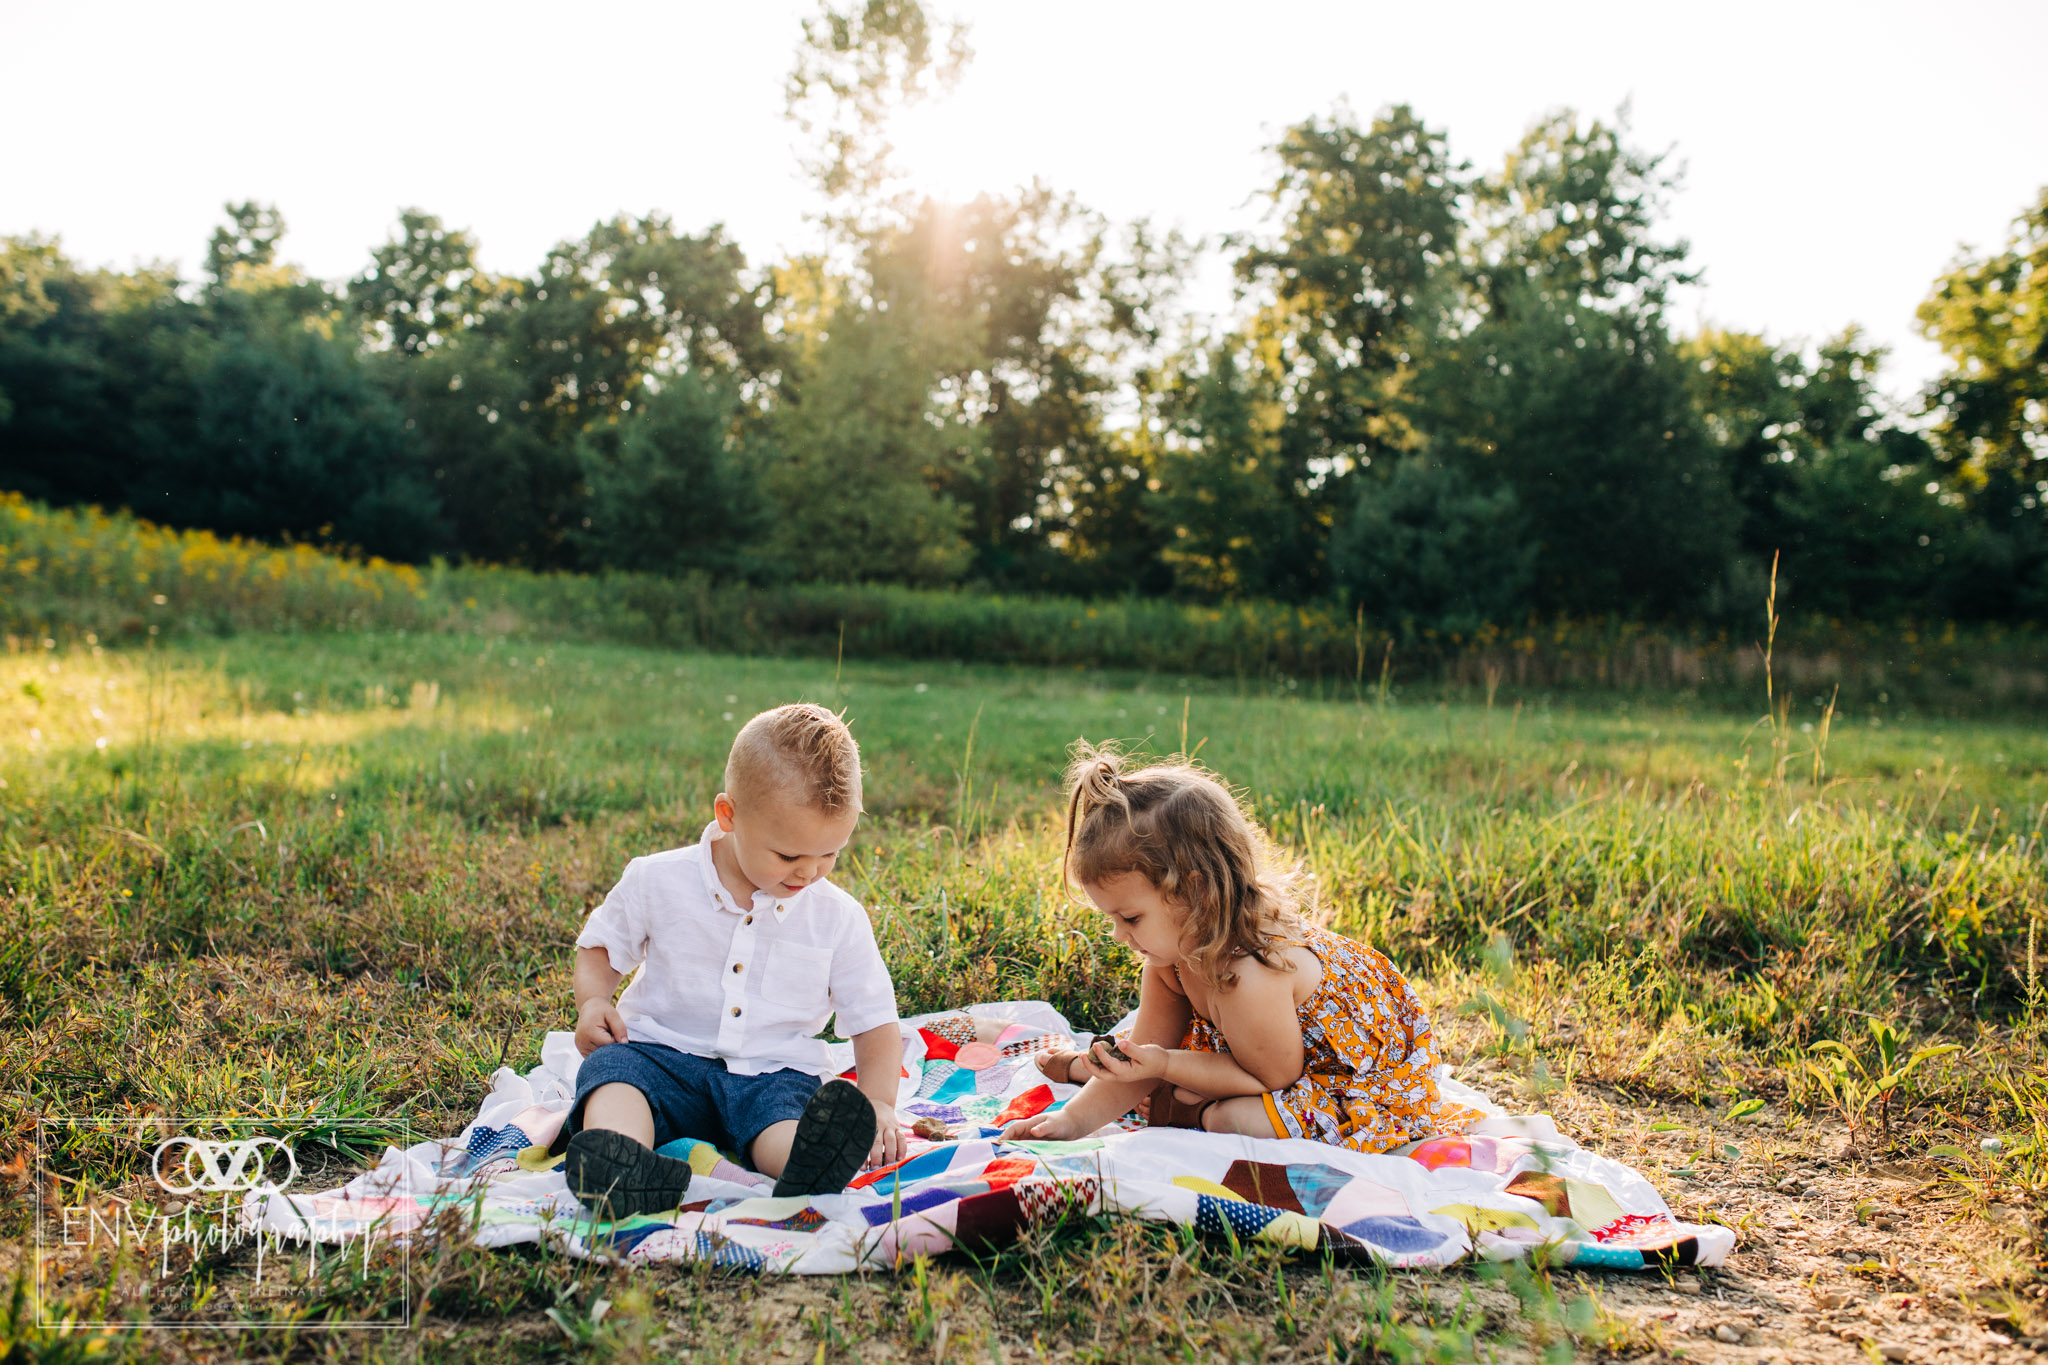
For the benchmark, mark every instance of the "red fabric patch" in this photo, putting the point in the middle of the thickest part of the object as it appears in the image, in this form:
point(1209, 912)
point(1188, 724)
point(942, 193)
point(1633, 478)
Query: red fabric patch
point(853, 1074)
point(1033, 1101)
point(1261, 1182)
point(1640, 1230)
point(867, 1178)
point(1546, 1189)
point(938, 1049)
point(985, 1221)
point(1003, 1173)
point(1437, 1153)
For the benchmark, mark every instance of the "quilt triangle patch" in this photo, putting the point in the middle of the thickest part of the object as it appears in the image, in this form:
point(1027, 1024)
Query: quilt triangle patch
point(1316, 1185)
point(1262, 1182)
point(1213, 1215)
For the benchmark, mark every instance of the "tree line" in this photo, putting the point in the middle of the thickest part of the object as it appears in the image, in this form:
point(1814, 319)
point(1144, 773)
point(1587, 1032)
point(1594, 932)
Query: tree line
point(1449, 395)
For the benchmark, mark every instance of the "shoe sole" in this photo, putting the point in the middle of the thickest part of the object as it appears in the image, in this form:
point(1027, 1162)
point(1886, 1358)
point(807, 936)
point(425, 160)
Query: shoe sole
point(615, 1177)
point(833, 1138)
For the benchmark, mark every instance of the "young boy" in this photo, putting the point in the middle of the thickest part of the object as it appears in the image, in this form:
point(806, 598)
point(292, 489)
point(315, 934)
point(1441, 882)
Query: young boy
point(743, 950)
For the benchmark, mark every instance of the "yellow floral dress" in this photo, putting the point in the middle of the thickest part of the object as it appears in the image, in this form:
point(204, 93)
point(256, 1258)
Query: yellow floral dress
point(1369, 1081)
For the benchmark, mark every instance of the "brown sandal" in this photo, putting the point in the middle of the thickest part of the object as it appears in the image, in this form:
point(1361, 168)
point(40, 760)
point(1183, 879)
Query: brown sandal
point(1167, 1111)
point(1072, 1057)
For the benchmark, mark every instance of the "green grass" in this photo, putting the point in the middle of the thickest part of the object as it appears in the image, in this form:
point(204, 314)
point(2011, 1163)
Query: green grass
point(318, 877)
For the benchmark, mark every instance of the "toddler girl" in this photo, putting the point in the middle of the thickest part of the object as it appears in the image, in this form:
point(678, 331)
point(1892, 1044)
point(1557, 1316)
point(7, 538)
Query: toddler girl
point(1250, 1019)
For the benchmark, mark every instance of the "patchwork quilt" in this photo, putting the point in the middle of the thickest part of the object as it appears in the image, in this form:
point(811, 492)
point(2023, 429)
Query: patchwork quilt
point(1511, 1185)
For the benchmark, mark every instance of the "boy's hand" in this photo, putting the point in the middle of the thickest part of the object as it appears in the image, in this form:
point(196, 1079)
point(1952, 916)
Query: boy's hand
point(888, 1148)
point(598, 1023)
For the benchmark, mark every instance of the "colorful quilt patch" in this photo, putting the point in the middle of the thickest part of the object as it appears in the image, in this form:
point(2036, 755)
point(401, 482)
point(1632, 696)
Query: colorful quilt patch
point(1503, 1189)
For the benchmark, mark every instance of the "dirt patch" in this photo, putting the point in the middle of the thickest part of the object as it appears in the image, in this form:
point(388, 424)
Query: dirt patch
point(1837, 1258)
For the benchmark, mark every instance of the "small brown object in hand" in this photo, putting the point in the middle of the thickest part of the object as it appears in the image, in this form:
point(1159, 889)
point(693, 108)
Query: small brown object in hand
point(930, 1129)
point(1109, 1041)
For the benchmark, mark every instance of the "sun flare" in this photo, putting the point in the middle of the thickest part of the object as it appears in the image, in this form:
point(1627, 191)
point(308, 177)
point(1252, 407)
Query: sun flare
point(942, 151)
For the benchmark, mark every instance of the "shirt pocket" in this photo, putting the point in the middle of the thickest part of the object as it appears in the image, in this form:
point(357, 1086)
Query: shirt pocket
point(798, 977)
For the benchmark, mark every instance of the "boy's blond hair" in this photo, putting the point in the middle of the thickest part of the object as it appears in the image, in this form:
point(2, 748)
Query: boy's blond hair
point(799, 753)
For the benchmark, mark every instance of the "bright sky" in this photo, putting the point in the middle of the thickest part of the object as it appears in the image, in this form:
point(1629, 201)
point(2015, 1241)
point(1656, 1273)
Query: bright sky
point(1837, 154)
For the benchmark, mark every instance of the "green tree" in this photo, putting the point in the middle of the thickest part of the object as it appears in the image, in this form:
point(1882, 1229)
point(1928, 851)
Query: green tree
point(286, 435)
point(75, 358)
point(671, 486)
point(244, 275)
point(1219, 479)
point(1425, 546)
point(1572, 215)
point(1990, 316)
point(1586, 417)
point(245, 245)
point(1359, 279)
point(1866, 539)
point(631, 299)
point(1562, 383)
point(503, 377)
point(423, 286)
point(860, 449)
point(1035, 321)
point(1824, 478)
point(238, 410)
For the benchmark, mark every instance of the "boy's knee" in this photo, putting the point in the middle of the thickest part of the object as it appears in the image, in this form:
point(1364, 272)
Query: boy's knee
point(617, 1092)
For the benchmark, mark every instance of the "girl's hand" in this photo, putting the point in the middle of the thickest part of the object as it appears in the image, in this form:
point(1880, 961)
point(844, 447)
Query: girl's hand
point(1053, 1127)
point(598, 1023)
point(1147, 1062)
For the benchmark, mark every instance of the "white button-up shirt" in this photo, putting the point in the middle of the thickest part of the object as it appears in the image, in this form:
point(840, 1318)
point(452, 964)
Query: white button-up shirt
point(752, 984)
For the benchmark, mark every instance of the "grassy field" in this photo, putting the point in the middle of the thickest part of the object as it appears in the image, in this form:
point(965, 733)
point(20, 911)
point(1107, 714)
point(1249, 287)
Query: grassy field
point(322, 878)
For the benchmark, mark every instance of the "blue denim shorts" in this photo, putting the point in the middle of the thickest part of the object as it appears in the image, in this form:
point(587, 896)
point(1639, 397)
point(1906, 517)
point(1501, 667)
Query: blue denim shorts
point(694, 1097)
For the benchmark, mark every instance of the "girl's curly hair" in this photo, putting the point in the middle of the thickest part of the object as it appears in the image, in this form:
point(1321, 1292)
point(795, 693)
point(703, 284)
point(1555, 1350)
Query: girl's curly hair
point(1179, 827)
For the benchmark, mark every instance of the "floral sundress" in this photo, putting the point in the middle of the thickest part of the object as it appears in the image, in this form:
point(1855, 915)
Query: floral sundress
point(1369, 1079)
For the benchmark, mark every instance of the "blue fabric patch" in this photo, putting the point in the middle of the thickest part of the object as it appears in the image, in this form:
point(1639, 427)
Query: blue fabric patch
point(726, 1252)
point(623, 1240)
point(959, 1085)
point(1315, 1186)
point(935, 1162)
point(484, 1144)
point(889, 1210)
point(1593, 1254)
point(1404, 1235)
point(1213, 1215)
point(936, 1074)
